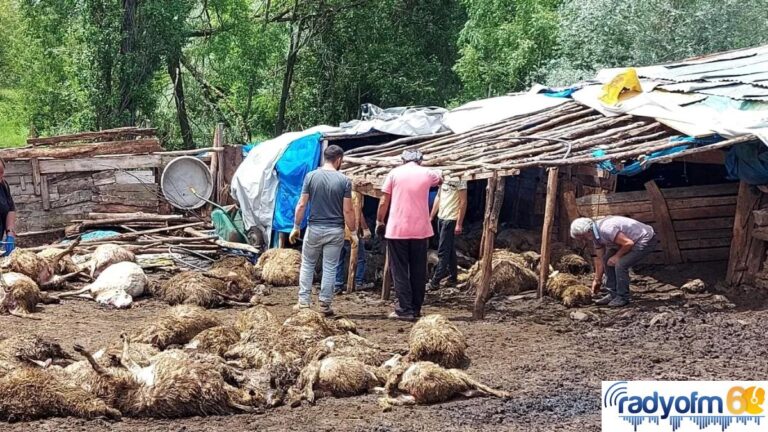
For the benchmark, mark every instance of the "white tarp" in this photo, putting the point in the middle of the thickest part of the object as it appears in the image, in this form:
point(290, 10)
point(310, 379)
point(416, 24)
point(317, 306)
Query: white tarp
point(254, 184)
point(400, 121)
point(493, 110)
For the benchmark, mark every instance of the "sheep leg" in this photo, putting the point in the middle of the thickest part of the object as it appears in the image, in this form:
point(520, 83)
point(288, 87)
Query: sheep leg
point(94, 364)
point(478, 386)
point(72, 293)
point(390, 388)
point(20, 314)
point(387, 402)
point(42, 364)
point(228, 302)
point(125, 359)
point(65, 252)
point(59, 280)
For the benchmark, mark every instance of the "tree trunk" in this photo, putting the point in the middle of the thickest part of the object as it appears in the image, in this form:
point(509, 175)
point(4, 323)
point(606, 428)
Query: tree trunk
point(290, 64)
point(174, 71)
point(128, 31)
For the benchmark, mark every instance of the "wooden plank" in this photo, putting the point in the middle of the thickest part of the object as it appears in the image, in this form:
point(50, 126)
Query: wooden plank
point(17, 168)
point(138, 146)
point(616, 209)
point(75, 197)
point(705, 255)
point(701, 202)
point(702, 212)
point(546, 231)
point(386, 278)
point(704, 243)
point(135, 176)
point(53, 166)
point(35, 163)
point(123, 208)
point(698, 224)
point(130, 188)
point(104, 135)
point(73, 184)
point(495, 198)
point(44, 193)
point(714, 157)
point(701, 191)
point(662, 216)
point(742, 229)
point(705, 234)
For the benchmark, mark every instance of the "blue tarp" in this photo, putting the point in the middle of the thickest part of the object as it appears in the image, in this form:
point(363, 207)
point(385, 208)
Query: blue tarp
point(639, 166)
point(748, 162)
point(301, 157)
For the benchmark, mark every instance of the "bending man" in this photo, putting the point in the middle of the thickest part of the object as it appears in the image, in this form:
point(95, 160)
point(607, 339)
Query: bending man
point(329, 193)
point(620, 243)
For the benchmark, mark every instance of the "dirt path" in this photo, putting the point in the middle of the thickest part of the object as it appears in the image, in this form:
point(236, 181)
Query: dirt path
point(553, 364)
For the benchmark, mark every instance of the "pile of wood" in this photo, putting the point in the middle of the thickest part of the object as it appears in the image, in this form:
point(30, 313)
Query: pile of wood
point(694, 224)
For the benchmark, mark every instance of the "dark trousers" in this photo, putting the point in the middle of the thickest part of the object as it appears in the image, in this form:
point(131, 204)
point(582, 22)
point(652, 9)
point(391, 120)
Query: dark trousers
point(446, 252)
point(408, 263)
point(617, 277)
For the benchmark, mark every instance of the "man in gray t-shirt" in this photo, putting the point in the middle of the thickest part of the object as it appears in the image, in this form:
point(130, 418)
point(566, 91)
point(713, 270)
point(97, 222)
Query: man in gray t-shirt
point(329, 195)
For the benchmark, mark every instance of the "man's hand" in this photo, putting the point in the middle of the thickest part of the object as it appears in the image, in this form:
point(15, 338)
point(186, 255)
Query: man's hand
point(367, 234)
point(612, 261)
point(458, 230)
point(380, 229)
point(596, 284)
point(295, 233)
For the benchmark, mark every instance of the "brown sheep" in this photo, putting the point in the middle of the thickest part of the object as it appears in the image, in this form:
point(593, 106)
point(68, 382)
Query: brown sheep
point(22, 349)
point(141, 353)
point(255, 317)
point(177, 326)
point(194, 288)
point(173, 385)
point(568, 289)
point(30, 393)
point(215, 340)
point(510, 274)
point(279, 267)
point(334, 376)
point(29, 264)
point(65, 264)
point(427, 383)
point(19, 295)
point(347, 345)
point(434, 338)
point(107, 254)
point(234, 269)
point(567, 261)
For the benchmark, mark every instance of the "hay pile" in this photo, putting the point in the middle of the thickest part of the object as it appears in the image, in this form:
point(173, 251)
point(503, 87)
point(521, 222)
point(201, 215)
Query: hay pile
point(567, 288)
point(279, 267)
point(511, 273)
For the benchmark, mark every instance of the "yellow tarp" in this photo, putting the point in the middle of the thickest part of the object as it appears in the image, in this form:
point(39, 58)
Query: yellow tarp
point(622, 86)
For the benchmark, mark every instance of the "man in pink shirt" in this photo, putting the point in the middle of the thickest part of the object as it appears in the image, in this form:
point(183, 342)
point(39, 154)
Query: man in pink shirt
point(406, 196)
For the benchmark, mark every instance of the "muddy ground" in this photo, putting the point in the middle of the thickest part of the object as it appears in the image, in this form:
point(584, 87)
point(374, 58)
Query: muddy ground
point(551, 362)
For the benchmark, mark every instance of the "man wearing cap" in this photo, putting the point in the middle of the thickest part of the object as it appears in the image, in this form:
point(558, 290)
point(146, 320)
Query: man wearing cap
point(405, 196)
point(620, 243)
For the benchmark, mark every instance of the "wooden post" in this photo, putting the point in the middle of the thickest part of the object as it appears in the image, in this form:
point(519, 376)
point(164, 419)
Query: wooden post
point(218, 146)
point(546, 233)
point(386, 278)
point(357, 202)
point(746, 252)
point(281, 240)
point(494, 198)
point(661, 215)
point(215, 161)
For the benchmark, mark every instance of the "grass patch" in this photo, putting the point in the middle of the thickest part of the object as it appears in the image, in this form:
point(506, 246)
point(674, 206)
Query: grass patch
point(13, 133)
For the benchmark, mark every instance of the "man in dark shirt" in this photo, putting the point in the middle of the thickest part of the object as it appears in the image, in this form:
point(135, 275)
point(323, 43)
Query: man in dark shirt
point(7, 212)
point(329, 194)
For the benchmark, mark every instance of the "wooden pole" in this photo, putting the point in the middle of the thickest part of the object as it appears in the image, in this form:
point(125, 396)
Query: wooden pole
point(215, 163)
point(661, 215)
point(746, 252)
point(354, 249)
point(546, 234)
point(386, 278)
point(219, 146)
point(493, 199)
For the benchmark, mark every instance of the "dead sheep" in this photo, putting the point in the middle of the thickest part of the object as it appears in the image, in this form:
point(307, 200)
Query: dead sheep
point(177, 326)
point(141, 353)
point(566, 260)
point(234, 269)
point(518, 240)
point(116, 286)
point(347, 345)
point(28, 263)
point(173, 385)
point(312, 319)
point(106, 255)
point(336, 377)
point(19, 295)
point(255, 317)
point(215, 340)
point(568, 289)
point(510, 274)
point(26, 349)
point(427, 383)
point(65, 264)
point(198, 289)
point(434, 338)
point(279, 267)
point(29, 393)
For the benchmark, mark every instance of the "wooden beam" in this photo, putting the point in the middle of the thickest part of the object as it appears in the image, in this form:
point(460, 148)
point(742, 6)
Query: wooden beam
point(494, 200)
point(546, 231)
point(58, 166)
point(386, 278)
point(742, 241)
point(354, 250)
point(44, 193)
point(36, 175)
point(85, 150)
point(104, 135)
point(714, 157)
point(662, 217)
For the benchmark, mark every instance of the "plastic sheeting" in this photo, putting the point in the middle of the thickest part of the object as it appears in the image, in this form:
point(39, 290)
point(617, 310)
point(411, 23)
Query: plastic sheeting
point(748, 162)
point(301, 157)
point(493, 110)
point(255, 182)
point(400, 121)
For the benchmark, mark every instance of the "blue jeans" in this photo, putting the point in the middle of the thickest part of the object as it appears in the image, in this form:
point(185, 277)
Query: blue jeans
point(317, 240)
point(341, 270)
point(617, 278)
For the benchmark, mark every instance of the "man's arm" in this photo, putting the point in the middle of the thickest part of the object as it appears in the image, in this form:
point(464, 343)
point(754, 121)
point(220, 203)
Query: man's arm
point(597, 281)
point(298, 217)
point(435, 207)
point(10, 222)
point(462, 211)
point(349, 215)
point(381, 213)
point(625, 245)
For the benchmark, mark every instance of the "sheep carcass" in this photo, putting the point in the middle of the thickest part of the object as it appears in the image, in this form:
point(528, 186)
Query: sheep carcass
point(173, 385)
point(334, 376)
point(568, 289)
point(434, 338)
point(19, 295)
point(347, 345)
point(279, 267)
point(255, 318)
point(106, 255)
point(116, 286)
point(215, 340)
point(177, 326)
point(195, 288)
point(23, 349)
point(427, 382)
